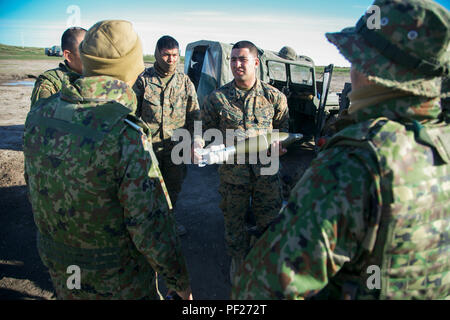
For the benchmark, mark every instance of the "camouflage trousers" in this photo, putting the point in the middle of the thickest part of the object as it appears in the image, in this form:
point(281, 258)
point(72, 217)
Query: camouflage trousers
point(173, 175)
point(262, 196)
point(150, 290)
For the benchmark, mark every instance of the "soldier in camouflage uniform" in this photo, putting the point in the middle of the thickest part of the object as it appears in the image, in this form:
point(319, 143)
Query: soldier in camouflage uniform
point(167, 101)
point(370, 219)
point(249, 107)
point(50, 82)
point(95, 189)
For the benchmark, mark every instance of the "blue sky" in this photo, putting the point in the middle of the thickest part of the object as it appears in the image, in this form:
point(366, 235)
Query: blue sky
point(300, 24)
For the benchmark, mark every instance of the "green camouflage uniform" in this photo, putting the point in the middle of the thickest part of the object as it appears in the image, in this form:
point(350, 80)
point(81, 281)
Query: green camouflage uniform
point(445, 102)
point(325, 235)
point(378, 194)
point(165, 108)
point(50, 82)
point(96, 194)
point(261, 109)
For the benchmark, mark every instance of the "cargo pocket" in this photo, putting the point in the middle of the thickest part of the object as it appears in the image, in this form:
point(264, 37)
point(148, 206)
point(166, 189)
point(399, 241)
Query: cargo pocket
point(264, 117)
point(177, 112)
point(232, 119)
point(151, 109)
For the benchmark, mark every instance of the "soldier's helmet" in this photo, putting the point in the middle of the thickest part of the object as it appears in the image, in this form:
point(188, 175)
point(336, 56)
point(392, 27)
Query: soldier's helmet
point(287, 53)
point(405, 46)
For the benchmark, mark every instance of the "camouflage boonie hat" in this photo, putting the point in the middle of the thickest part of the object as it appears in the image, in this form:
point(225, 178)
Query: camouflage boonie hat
point(410, 50)
point(287, 53)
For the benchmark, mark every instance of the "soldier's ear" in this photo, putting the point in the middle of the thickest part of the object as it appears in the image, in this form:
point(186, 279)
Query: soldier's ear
point(256, 61)
point(67, 55)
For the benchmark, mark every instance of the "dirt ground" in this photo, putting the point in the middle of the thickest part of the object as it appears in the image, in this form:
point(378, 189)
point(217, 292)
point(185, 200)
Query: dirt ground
point(23, 276)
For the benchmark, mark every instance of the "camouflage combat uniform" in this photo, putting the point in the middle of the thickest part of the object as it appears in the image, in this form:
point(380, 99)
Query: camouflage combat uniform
point(257, 111)
point(445, 102)
point(165, 108)
point(370, 218)
point(340, 203)
point(50, 82)
point(96, 195)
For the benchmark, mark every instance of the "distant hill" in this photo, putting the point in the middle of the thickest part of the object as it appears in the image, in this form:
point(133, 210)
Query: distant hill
point(34, 53)
point(25, 53)
point(336, 69)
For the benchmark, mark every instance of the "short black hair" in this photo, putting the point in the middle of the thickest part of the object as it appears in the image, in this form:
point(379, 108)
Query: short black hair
point(69, 38)
point(167, 42)
point(246, 44)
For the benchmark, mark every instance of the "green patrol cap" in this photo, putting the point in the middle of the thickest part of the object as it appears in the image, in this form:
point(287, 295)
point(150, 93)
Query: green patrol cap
point(287, 53)
point(402, 44)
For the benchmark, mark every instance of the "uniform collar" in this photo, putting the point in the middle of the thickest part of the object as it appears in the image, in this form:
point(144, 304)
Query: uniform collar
point(256, 90)
point(99, 89)
point(65, 67)
point(402, 108)
point(155, 79)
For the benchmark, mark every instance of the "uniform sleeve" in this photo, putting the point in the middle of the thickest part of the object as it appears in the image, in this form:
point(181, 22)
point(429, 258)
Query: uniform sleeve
point(139, 90)
point(192, 106)
point(43, 88)
point(281, 115)
point(321, 228)
point(147, 218)
point(209, 114)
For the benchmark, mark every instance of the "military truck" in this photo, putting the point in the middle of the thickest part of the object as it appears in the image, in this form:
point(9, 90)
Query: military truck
point(207, 63)
point(54, 51)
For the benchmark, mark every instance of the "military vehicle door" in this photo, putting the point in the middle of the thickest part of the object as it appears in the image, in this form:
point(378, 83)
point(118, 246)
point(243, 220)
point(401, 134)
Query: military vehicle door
point(321, 115)
point(278, 75)
point(302, 99)
point(297, 80)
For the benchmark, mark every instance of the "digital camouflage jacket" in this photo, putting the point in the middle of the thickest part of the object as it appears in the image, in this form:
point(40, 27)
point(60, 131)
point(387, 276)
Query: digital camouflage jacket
point(50, 82)
point(377, 196)
point(97, 199)
point(166, 107)
point(259, 111)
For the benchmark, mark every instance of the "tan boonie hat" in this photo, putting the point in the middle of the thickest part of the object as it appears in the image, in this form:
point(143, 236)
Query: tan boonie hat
point(112, 48)
point(410, 50)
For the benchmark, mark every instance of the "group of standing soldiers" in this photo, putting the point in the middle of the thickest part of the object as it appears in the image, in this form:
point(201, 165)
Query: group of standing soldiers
point(102, 182)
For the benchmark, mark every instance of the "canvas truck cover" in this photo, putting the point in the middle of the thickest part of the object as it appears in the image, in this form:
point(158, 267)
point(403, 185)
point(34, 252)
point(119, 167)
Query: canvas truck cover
point(207, 63)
